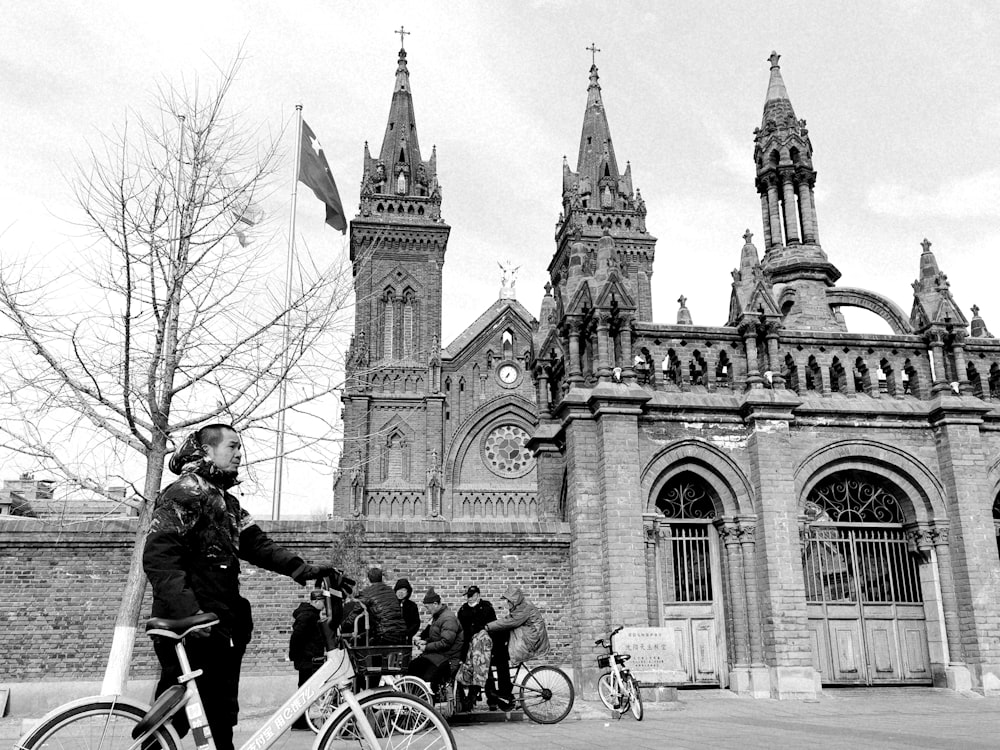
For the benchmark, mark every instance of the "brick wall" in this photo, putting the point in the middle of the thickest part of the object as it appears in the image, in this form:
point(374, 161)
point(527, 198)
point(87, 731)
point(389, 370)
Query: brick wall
point(60, 588)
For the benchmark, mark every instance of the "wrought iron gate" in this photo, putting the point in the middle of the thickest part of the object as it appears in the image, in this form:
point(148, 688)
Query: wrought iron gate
point(866, 612)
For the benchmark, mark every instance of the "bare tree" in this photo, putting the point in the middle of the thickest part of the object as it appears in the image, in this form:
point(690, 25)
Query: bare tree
point(170, 318)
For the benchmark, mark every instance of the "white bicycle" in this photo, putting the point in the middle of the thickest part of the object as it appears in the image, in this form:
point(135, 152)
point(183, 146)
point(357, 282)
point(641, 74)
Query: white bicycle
point(373, 719)
point(618, 688)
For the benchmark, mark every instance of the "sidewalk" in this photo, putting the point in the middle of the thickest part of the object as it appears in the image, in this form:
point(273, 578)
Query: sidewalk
point(894, 718)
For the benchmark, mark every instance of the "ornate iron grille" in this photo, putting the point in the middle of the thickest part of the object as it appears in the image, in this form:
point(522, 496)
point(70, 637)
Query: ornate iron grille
point(852, 498)
point(687, 496)
point(846, 564)
point(691, 563)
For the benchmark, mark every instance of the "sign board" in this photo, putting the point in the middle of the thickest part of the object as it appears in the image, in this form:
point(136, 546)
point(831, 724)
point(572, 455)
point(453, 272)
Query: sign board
point(658, 654)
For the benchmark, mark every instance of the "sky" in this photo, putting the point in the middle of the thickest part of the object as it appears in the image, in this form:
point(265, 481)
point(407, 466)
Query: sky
point(901, 99)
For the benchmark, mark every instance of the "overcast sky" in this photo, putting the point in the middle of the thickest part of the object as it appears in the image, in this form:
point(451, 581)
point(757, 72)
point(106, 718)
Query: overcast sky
point(901, 100)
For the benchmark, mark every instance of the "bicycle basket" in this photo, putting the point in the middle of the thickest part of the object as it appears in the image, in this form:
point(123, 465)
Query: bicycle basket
point(380, 659)
point(604, 661)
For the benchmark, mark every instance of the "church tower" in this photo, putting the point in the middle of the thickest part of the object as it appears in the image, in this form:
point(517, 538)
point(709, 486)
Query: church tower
point(393, 391)
point(793, 260)
point(598, 201)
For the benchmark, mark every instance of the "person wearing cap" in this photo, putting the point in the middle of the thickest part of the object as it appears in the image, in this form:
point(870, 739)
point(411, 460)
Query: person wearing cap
point(439, 644)
point(474, 615)
point(528, 635)
point(388, 627)
point(411, 613)
point(307, 647)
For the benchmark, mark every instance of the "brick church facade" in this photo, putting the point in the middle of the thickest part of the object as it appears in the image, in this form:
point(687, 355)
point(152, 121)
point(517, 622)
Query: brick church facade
point(781, 502)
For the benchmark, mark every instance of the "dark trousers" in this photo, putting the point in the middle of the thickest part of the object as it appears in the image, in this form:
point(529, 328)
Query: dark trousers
point(500, 659)
point(433, 668)
point(305, 672)
point(219, 685)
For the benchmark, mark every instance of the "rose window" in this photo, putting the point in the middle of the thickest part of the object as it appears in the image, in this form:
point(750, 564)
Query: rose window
point(504, 451)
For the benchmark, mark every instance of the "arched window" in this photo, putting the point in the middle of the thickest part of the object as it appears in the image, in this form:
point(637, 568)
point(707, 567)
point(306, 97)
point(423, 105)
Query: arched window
point(388, 323)
point(688, 504)
point(854, 497)
point(508, 344)
point(409, 324)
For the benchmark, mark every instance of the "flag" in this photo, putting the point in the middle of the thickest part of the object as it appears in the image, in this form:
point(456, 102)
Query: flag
point(315, 173)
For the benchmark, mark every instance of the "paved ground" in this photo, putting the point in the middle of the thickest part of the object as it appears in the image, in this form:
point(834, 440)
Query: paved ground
point(860, 718)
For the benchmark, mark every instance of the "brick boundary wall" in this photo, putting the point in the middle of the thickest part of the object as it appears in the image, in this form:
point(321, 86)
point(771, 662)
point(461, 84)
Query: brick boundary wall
point(60, 587)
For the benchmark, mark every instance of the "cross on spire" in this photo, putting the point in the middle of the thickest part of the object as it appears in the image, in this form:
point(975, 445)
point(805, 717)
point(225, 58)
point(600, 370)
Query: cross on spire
point(682, 299)
point(402, 33)
point(975, 311)
point(926, 245)
point(747, 236)
point(773, 59)
point(594, 49)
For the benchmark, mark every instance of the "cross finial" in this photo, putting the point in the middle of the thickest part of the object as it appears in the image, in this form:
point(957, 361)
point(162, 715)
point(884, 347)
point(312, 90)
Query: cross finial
point(975, 311)
point(773, 59)
point(682, 299)
point(747, 236)
point(926, 245)
point(594, 49)
point(402, 33)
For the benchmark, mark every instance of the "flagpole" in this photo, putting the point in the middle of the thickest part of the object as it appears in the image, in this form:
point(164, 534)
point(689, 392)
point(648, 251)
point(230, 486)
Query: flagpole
point(279, 457)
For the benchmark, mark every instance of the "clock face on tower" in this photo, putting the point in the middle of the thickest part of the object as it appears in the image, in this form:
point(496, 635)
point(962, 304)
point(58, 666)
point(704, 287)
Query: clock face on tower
point(508, 373)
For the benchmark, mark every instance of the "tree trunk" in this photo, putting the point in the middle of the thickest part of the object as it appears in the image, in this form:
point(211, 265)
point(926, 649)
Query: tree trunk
point(123, 642)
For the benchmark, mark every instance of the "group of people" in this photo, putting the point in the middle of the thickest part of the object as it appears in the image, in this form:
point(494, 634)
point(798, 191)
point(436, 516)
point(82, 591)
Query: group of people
point(465, 643)
point(198, 535)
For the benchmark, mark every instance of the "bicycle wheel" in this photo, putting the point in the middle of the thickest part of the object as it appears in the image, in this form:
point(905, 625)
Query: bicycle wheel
point(392, 717)
point(608, 692)
point(93, 723)
point(634, 697)
point(546, 695)
point(322, 708)
point(416, 687)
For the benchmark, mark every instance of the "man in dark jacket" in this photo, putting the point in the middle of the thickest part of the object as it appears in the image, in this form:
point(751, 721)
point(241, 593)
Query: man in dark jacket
point(192, 556)
point(307, 645)
point(388, 627)
point(440, 643)
point(411, 614)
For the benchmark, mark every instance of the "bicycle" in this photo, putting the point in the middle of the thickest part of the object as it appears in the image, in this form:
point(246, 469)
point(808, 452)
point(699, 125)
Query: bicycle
point(618, 688)
point(373, 719)
point(545, 694)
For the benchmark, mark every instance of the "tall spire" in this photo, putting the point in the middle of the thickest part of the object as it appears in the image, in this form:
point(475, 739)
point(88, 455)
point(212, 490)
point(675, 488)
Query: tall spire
point(793, 257)
point(598, 200)
point(399, 170)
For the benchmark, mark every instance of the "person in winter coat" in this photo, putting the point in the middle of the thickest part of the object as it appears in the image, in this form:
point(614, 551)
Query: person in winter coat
point(440, 643)
point(197, 537)
point(528, 635)
point(387, 625)
point(474, 616)
point(307, 646)
point(411, 613)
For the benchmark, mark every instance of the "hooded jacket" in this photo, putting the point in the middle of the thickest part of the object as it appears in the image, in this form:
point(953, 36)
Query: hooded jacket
point(528, 635)
point(197, 537)
point(306, 642)
point(444, 635)
point(387, 616)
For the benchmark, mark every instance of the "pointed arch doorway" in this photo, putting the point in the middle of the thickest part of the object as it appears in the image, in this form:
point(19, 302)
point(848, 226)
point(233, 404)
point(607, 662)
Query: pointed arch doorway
point(863, 586)
point(686, 578)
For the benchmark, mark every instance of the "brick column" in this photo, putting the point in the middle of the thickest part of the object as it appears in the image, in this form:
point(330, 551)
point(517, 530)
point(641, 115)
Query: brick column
point(773, 211)
point(781, 590)
point(739, 675)
point(975, 569)
point(766, 218)
point(791, 210)
point(603, 359)
point(760, 681)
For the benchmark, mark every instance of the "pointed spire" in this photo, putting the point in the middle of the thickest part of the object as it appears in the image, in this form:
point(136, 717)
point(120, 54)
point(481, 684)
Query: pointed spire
point(977, 326)
point(776, 90)
point(933, 303)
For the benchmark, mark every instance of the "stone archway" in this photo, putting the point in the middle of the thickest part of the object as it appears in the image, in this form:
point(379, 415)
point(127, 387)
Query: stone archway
point(863, 573)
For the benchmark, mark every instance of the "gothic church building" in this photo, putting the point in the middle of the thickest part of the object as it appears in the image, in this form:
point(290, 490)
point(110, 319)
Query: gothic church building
point(777, 503)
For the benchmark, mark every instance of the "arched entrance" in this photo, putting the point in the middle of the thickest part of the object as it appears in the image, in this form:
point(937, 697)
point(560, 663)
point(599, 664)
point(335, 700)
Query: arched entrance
point(686, 577)
point(863, 585)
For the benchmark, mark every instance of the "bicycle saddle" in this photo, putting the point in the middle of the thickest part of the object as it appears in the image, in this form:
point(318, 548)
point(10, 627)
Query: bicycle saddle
point(177, 629)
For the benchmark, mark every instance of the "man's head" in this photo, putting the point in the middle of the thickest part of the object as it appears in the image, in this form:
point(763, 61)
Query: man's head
point(432, 602)
point(375, 575)
point(221, 445)
point(472, 595)
point(316, 599)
